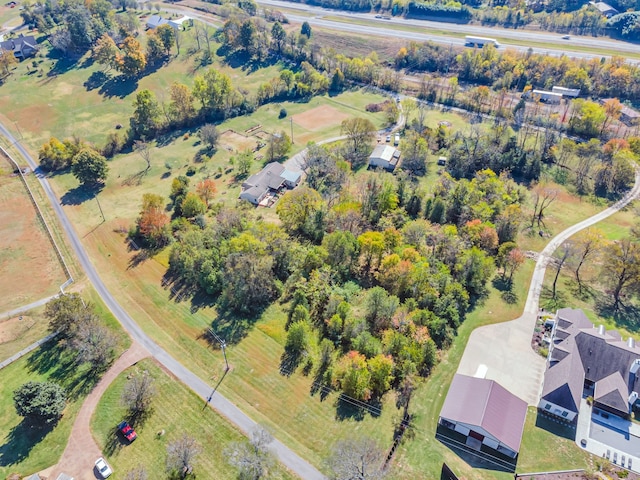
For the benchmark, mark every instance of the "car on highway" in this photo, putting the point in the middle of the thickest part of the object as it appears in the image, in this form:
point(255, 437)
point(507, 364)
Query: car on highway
point(127, 431)
point(388, 138)
point(566, 37)
point(103, 469)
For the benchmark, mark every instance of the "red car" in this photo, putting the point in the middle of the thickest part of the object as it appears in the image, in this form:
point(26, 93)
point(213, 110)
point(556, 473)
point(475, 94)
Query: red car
point(128, 432)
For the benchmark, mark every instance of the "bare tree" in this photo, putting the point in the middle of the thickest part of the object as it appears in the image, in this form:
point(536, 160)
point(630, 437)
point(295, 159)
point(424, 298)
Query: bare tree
point(587, 243)
point(94, 343)
point(138, 473)
point(252, 458)
point(360, 459)
point(142, 148)
point(181, 454)
point(559, 261)
point(138, 393)
point(543, 196)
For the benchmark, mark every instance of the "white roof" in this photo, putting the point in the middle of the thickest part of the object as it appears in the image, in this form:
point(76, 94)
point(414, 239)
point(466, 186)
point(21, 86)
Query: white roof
point(384, 152)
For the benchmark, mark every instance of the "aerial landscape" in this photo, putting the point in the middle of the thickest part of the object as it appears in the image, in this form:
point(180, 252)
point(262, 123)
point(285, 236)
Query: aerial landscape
point(329, 239)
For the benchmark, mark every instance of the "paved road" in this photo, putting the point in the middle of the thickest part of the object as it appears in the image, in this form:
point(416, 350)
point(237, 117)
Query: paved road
point(290, 459)
point(392, 27)
point(505, 348)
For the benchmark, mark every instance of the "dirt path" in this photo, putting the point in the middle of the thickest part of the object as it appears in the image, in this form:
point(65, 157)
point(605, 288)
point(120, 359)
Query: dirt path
point(81, 453)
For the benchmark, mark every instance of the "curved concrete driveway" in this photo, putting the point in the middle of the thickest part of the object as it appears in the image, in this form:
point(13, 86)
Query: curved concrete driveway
point(290, 459)
point(505, 348)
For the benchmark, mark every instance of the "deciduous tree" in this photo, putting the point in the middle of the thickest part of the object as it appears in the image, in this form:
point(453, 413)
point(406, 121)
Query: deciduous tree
point(209, 135)
point(105, 52)
point(360, 133)
point(167, 36)
point(153, 222)
point(206, 190)
point(252, 458)
point(132, 60)
point(357, 458)
point(138, 393)
point(65, 313)
point(621, 268)
point(94, 344)
point(89, 167)
point(181, 455)
point(297, 209)
point(146, 115)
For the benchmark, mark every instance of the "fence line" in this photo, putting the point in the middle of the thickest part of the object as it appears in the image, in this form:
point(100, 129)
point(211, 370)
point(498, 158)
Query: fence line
point(42, 219)
point(29, 349)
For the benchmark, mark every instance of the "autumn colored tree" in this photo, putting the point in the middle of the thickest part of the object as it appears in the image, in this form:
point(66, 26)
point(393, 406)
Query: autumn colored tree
point(206, 190)
point(192, 206)
point(54, 155)
point(7, 58)
point(181, 108)
point(353, 377)
point(132, 61)
point(298, 208)
point(105, 52)
point(153, 222)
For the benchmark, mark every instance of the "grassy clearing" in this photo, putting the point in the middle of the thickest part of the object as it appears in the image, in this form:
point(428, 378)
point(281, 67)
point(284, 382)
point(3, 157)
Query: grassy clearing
point(208, 428)
point(422, 457)
point(26, 450)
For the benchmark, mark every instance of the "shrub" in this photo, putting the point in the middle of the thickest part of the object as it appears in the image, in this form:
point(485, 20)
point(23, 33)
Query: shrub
point(283, 113)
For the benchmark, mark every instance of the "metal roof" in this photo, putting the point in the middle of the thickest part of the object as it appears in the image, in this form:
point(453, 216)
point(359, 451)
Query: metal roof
point(487, 404)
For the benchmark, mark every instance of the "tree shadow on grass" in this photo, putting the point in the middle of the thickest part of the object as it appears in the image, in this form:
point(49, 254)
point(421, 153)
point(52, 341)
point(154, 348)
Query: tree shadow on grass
point(550, 303)
point(627, 316)
point(96, 80)
point(289, 362)
point(505, 286)
point(231, 327)
point(21, 440)
point(61, 367)
point(348, 408)
point(319, 384)
point(118, 86)
point(81, 194)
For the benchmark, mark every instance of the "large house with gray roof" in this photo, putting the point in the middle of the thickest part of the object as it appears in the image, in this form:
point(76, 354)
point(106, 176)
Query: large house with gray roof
point(22, 46)
point(587, 361)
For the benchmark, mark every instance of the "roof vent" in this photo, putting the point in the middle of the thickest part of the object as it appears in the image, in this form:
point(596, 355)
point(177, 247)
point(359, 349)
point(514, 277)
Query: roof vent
point(601, 329)
point(631, 343)
point(632, 398)
point(635, 366)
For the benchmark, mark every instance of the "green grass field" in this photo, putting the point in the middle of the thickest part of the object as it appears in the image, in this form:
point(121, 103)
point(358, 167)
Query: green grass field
point(212, 432)
point(16, 333)
point(23, 449)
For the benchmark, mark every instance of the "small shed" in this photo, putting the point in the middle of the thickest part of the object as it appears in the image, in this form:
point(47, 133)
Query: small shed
point(384, 156)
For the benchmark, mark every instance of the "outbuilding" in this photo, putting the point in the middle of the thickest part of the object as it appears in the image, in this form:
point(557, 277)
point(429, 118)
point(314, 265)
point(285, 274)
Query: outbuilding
point(482, 417)
point(384, 156)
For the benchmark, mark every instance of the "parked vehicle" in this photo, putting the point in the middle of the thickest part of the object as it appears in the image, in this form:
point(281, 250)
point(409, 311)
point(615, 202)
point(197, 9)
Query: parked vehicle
point(127, 431)
point(480, 41)
point(396, 139)
point(103, 469)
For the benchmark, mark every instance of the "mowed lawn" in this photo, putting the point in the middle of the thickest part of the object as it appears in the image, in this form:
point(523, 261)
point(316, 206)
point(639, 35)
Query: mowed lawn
point(30, 269)
point(175, 410)
point(422, 455)
point(26, 450)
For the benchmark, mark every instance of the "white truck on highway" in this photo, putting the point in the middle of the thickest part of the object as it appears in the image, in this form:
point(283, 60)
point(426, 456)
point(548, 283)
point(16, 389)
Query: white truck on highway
point(480, 41)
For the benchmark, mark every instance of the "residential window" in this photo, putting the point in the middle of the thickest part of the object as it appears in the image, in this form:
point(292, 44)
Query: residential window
point(565, 413)
point(547, 406)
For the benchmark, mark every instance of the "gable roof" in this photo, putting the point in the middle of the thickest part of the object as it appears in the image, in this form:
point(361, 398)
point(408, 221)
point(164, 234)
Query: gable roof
point(383, 152)
point(156, 20)
point(20, 44)
point(487, 404)
point(563, 382)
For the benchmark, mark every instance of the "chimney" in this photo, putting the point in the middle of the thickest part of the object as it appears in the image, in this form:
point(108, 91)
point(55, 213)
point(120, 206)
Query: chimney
point(601, 329)
point(631, 343)
point(635, 366)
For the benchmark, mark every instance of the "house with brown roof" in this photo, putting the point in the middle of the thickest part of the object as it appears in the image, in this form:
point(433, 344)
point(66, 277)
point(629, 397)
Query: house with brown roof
point(585, 361)
point(482, 417)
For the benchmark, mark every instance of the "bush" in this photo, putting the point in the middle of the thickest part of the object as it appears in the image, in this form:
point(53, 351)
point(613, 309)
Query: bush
point(283, 113)
point(191, 171)
point(40, 402)
point(374, 107)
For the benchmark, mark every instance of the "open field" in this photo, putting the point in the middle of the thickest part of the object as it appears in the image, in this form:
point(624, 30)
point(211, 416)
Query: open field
point(28, 262)
point(212, 432)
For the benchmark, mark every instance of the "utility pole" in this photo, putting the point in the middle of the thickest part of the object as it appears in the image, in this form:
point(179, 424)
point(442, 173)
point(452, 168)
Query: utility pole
point(223, 345)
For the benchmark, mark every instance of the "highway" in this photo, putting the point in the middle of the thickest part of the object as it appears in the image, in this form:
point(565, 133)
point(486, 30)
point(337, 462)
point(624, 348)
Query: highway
point(223, 406)
point(392, 27)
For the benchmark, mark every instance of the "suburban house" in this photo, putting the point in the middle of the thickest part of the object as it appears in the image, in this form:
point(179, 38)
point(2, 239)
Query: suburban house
point(154, 21)
point(262, 187)
point(481, 416)
point(384, 156)
point(22, 46)
point(587, 361)
point(604, 8)
point(628, 115)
